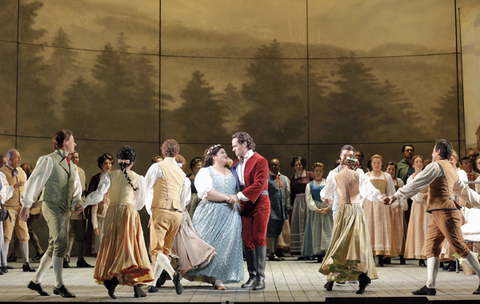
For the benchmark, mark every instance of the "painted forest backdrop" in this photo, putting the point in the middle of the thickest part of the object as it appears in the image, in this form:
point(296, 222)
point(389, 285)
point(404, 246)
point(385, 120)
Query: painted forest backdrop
point(302, 77)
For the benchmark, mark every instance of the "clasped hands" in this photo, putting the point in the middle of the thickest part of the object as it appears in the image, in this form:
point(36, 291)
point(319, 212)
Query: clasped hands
point(232, 199)
point(388, 200)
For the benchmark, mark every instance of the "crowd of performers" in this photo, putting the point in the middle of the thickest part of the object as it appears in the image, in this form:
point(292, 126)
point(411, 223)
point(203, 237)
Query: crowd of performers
point(226, 212)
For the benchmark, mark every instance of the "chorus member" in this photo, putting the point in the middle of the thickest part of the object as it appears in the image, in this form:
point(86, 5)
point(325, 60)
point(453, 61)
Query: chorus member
point(195, 164)
point(477, 165)
point(318, 232)
point(169, 186)
point(359, 157)
point(62, 191)
point(217, 221)
point(279, 194)
point(251, 173)
point(417, 226)
point(467, 165)
point(14, 178)
point(380, 217)
point(399, 221)
point(122, 258)
point(443, 182)
point(99, 211)
point(298, 182)
point(349, 256)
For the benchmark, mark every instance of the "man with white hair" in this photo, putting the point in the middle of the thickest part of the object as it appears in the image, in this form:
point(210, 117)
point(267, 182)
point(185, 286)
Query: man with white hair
point(13, 177)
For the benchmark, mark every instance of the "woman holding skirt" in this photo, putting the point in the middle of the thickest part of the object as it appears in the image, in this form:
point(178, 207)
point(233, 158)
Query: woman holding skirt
point(122, 257)
point(349, 256)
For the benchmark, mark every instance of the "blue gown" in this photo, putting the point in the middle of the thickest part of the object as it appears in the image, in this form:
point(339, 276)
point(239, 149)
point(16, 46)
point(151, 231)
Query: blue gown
point(219, 224)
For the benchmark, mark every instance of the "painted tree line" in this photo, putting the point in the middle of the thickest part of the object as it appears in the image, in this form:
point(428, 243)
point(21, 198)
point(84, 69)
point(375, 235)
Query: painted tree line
point(118, 97)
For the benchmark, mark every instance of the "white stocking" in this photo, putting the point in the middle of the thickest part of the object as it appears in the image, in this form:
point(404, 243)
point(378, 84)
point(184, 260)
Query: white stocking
point(24, 250)
point(472, 261)
point(57, 270)
point(45, 264)
point(433, 264)
point(164, 263)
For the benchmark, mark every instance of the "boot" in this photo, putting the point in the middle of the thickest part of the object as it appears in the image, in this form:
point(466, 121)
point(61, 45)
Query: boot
point(261, 257)
point(251, 266)
point(328, 286)
point(111, 285)
point(138, 292)
point(364, 281)
point(380, 261)
point(402, 260)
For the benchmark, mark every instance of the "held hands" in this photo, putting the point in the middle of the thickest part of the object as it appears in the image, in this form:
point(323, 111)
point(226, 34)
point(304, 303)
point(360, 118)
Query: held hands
point(328, 201)
point(232, 199)
point(322, 211)
point(388, 200)
point(78, 209)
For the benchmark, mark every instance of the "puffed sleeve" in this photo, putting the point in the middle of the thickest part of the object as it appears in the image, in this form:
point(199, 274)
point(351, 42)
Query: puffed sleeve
point(390, 190)
point(96, 196)
point(139, 195)
point(186, 193)
point(203, 182)
point(6, 191)
point(368, 190)
point(38, 179)
point(329, 190)
point(308, 197)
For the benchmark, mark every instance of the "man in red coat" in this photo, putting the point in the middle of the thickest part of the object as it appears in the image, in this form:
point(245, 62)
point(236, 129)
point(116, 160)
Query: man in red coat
point(251, 172)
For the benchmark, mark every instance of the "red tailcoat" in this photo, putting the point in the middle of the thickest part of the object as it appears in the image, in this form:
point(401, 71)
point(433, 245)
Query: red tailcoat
point(256, 211)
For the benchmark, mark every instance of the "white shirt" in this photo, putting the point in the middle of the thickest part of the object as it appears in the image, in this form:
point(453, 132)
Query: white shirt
point(39, 178)
point(308, 194)
point(240, 168)
point(427, 176)
point(104, 185)
point(367, 189)
point(153, 174)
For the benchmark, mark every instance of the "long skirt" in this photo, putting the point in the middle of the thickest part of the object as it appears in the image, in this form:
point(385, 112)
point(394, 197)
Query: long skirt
point(380, 227)
point(192, 206)
point(400, 226)
point(190, 250)
point(350, 252)
point(122, 250)
point(219, 225)
point(299, 222)
point(284, 237)
point(318, 232)
point(417, 230)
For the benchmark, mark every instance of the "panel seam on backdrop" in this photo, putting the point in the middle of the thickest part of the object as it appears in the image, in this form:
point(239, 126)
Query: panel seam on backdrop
point(16, 76)
point(159, 77)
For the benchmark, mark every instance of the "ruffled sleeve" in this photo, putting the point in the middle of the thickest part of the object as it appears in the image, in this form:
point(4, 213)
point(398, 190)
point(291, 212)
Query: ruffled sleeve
point(96, 196)
point(37, 180)
point(203, 183)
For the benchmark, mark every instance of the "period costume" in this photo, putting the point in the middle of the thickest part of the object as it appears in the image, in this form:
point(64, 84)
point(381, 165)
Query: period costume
point(122, 250)
point(219, 224)
point(399, 222)
point(194, 200)
point(170, 191)
point(380, 218)
point(443, 182)
point(318, 231)
point(99, 211)
point(14, 206)
point(298, 183)
point(251, 174)
point(3, 254)
point(417, 226)
point(404, 170)
point(279, 194)
point(62, 191)
point(350, 252)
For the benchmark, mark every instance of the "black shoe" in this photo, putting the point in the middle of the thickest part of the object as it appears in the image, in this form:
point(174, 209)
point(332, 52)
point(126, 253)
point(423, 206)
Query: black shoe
point(138, 292)
point(425, 291)
point(63, 292)
point(319, 259)
point(177, 276)
point(364, 281)
point(477, 291)
point(272, 257)
point(452, 266)
point(38, 288)
point(111, 285)
point(402, 260)
point(27, 268)
point(421, 263)
point(279, 253)
point(259, 283)
point(161, 280)
point(387, 261)
point(81, 263)
point(5, 269)
point(38, 257)
point(152, 289)
point(12, 258)
point(328, 286)
point(249, 283)
point(380, 261)
point(66, 262)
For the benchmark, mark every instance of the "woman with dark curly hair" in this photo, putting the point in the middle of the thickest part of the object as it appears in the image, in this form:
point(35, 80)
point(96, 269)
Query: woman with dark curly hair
point(122, 258)
point(218, 222)
point(105, 163)
point(298, 182)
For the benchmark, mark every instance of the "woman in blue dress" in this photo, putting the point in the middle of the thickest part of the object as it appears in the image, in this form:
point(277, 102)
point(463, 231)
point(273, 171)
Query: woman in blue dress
point(218, 222)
